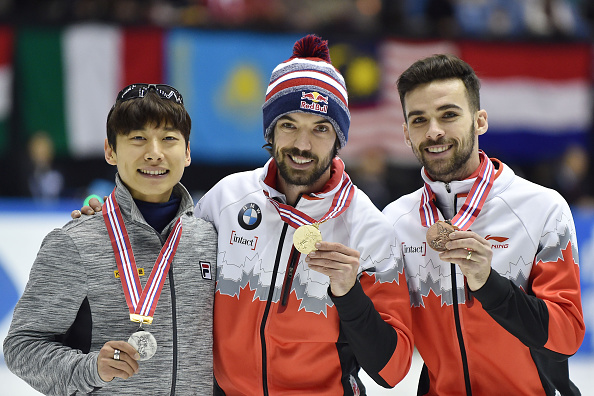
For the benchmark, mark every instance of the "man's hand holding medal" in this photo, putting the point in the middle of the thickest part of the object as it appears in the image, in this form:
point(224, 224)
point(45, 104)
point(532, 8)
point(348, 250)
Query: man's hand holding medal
point(468, 250)
point(117, 359)
point(336, 260)
point(452, 238)
point(339, 262)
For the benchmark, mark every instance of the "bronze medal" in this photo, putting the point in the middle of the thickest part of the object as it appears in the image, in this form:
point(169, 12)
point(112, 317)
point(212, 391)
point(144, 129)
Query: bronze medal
point(439, 234)
point(306, 237)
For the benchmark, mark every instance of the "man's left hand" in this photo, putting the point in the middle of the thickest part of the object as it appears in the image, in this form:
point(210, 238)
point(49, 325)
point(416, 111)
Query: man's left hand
point(339, 262)
point(472, 254)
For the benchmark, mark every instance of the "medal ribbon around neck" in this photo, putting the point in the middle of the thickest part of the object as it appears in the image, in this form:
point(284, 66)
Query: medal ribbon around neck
point(141, 302)
point(472, 205)
point(295, 218)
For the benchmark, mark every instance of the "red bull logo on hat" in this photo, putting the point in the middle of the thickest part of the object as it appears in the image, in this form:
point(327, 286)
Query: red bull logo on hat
point(316, 98)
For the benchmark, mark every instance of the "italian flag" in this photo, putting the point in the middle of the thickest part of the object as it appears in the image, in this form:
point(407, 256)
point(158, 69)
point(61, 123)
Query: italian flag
point(68, 79)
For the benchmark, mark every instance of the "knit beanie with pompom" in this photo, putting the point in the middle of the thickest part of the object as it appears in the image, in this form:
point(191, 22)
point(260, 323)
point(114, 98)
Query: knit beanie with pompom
point(308, 83)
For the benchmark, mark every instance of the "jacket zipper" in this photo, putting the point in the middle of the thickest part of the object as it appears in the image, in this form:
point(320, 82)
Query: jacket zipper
point(459, 332)
point(457, 317)
point(174, 323)
point(289, 277)
point(267, 309)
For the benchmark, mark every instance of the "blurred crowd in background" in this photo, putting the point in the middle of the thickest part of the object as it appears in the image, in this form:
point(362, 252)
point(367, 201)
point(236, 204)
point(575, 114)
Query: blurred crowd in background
point(410, 18)
point(46, 177)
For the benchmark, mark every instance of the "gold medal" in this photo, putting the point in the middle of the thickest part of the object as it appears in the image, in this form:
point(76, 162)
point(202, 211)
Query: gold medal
point(306, 237)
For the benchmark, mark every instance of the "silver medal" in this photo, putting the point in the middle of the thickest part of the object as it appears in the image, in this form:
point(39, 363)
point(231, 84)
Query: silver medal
point(144, 343)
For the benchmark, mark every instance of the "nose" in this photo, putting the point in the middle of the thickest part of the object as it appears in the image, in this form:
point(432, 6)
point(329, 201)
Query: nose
point(154, 151)
point(434, 130)
point(302, 140)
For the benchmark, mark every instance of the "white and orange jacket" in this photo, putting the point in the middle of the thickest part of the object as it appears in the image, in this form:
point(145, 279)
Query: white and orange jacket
point(277, 331)
point(514, 335)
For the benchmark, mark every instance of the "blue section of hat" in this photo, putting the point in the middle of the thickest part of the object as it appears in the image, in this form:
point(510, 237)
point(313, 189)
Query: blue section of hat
point(303, 99)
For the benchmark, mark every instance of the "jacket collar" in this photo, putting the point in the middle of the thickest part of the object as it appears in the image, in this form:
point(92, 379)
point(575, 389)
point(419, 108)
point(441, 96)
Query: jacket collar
point(129, 208)
point(446, 193)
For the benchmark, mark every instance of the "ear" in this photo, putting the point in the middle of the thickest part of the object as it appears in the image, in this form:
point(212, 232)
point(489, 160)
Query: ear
point(188, 157)
point(406, 136)
point(110, 155)
point(482, 123)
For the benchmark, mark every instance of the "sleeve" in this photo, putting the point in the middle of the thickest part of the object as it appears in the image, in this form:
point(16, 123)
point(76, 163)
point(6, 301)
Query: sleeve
point(207, 207)
point(547, 317)
point(46, 310)
point(375, 315)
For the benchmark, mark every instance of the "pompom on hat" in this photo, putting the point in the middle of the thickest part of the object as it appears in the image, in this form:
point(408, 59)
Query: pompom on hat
point(308, 83)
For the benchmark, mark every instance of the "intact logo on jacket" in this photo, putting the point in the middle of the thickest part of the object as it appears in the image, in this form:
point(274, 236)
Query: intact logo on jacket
point(417, 249)
point(238, 239)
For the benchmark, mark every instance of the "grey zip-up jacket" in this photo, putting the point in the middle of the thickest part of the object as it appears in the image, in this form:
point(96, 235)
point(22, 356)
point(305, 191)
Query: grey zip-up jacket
point(73, 304)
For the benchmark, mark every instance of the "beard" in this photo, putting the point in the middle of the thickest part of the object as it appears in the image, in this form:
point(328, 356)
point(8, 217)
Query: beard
point(452, 168)
point(300, 177)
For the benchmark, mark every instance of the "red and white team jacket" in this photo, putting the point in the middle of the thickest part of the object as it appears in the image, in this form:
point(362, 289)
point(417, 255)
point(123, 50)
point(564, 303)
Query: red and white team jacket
point(514, 335)
point(276, 329)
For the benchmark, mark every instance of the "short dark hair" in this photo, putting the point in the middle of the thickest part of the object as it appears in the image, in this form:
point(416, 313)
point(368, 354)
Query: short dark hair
point(440, 67)
point(129, 115)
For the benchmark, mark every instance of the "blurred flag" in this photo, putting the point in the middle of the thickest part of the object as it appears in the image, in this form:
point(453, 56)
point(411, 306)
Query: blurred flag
point(223, 77)
point(69, 78)
point(379, 127)
point(6, 77)
point(537, 96)
point(358, 62)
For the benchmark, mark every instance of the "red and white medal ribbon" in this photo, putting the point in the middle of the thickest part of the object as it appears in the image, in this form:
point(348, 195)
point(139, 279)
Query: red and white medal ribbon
point(296, 218)
point(472, 205)
point(141, 302)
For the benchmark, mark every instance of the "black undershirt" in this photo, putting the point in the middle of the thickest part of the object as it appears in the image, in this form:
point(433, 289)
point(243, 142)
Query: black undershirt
point(158, 215)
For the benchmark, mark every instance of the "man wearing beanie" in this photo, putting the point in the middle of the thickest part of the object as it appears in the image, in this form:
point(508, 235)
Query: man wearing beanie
point(310, 286)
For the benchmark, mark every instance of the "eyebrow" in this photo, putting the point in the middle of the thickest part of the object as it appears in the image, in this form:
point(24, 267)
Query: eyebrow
point(440, 108)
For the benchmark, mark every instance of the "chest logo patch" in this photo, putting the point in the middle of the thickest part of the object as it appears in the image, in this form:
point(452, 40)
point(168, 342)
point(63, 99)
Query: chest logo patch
point(249, 216)
point(497, 242)
point(416, 249)
point(205, 269)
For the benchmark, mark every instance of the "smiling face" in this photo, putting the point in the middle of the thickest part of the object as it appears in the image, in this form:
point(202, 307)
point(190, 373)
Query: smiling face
point(303, 148)
point(150, 161)
point(442, 129)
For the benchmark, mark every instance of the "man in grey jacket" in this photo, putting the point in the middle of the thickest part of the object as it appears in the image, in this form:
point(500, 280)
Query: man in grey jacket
point(122, 303)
